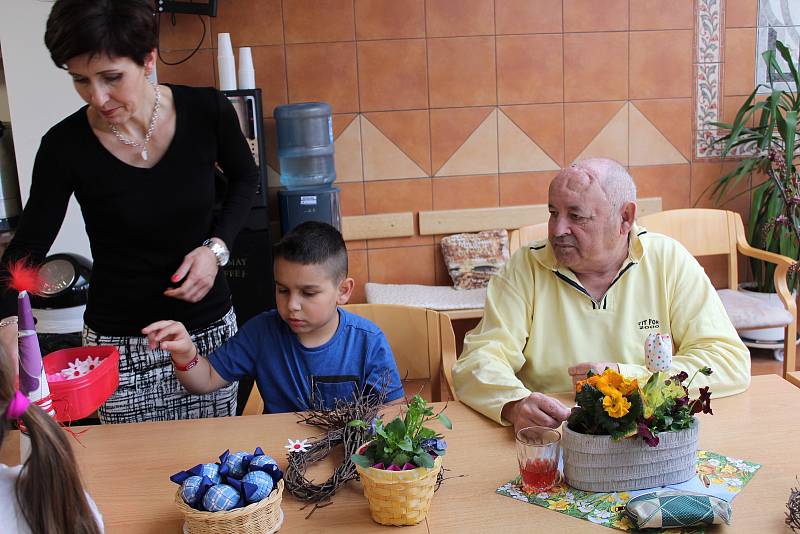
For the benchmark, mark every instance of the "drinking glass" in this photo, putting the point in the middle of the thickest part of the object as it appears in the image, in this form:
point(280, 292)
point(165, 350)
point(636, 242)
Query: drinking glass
point(538, 449)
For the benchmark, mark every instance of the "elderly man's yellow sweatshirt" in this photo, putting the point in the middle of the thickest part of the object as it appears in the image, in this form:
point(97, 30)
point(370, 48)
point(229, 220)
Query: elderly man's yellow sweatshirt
point(539, 320)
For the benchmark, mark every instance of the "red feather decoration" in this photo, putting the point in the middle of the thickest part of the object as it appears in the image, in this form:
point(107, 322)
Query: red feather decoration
point(23, 276)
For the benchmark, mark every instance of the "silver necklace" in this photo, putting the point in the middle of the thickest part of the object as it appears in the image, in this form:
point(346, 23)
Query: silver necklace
point(143, 145)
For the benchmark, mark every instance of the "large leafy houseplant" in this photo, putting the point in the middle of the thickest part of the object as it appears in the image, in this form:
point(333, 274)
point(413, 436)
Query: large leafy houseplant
point(769, 148)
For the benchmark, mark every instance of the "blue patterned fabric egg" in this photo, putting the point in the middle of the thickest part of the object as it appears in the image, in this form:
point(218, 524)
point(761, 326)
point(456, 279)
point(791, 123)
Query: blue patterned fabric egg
point(209, 470)
point(261, 485)
point(190, 490)
point(221, 497)
point(237, 463)
point(260, 461)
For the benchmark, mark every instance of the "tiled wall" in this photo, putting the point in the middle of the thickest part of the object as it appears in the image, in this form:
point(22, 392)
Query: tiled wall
point(443, 104)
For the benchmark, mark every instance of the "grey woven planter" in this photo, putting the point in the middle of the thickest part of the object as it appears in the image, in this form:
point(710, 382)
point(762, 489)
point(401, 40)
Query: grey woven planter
point(598, 463)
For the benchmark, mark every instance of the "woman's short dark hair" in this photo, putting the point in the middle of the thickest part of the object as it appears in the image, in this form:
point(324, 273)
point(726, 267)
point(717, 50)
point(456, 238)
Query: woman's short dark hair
point(116, 28)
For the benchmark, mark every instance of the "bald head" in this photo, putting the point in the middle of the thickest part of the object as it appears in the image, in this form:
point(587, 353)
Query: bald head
point(612, 178)
point(592, 207)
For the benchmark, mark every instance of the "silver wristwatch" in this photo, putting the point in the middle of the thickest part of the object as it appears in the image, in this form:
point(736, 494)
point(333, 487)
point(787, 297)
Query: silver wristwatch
point(219, 250)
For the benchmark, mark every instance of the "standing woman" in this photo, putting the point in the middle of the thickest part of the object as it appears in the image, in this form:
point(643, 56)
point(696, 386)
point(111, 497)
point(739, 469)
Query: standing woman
point(140, 159)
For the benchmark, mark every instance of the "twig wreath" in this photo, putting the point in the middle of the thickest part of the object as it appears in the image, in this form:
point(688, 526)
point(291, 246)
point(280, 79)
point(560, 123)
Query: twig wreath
point(365, 406)
point(793, 510)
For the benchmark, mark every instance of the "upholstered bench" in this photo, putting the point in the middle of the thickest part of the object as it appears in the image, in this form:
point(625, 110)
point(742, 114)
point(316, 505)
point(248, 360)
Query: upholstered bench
point(457, 303)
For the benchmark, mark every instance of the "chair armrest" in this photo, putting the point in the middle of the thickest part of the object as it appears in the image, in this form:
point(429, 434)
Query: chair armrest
point(783, 263)
point(779, 277)
point(751, 252)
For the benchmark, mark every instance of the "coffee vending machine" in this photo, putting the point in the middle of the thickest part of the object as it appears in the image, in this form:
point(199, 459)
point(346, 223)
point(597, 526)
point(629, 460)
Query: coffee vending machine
point(249, 271)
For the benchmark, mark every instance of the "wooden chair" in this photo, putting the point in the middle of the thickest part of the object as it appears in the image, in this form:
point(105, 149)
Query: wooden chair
point(707, 232)
point(793, 377)
point(423, 344)
point(530, 233)
point(422, 341)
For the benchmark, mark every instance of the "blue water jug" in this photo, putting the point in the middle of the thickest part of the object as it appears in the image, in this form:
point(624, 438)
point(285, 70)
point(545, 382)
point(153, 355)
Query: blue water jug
point(305, 144)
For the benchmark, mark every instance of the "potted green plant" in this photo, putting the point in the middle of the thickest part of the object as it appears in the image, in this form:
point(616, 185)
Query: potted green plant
point(767, 150)
point(399, 466)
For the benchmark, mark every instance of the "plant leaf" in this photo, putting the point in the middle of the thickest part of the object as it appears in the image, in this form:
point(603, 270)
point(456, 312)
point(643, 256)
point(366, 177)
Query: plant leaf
point(445, 421)
point(789, 138)
point(397, 428)
point(787, 56)
point(423, 460)
point(406, 444)
point(361, 460)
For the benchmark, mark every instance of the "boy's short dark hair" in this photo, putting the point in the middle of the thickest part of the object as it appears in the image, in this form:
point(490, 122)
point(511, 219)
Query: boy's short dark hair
point(315, 243)
point(116, 28)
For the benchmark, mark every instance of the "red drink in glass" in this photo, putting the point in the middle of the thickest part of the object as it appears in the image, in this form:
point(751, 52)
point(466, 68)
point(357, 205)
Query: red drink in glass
point(538, 450)
point(538, 475)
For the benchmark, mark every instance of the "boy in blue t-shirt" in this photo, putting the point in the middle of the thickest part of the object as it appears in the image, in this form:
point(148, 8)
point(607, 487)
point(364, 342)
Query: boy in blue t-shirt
point(308, 348)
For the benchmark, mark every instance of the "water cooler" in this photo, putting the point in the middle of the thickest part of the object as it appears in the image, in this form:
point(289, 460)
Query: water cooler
point(305, 149)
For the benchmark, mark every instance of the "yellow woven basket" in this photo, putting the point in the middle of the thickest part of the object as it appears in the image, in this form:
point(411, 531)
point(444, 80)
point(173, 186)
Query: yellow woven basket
point(399, 497)
point(262, 517)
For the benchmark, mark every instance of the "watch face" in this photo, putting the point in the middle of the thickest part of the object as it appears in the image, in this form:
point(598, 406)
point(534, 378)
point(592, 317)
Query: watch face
point(223, 256)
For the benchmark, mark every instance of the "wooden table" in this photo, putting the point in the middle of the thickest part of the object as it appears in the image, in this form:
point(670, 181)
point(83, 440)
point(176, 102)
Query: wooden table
point(126, 468)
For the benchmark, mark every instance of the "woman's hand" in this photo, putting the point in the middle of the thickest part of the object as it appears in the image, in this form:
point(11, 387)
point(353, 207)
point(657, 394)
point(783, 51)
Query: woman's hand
point(199, 267)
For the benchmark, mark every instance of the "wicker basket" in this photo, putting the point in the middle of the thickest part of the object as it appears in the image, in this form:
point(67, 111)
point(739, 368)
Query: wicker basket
point(598, 463)
point(399, 497)
point(262, 517)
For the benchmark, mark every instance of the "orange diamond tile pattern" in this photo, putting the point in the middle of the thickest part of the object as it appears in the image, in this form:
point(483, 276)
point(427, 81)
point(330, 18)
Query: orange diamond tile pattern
point(443, 104)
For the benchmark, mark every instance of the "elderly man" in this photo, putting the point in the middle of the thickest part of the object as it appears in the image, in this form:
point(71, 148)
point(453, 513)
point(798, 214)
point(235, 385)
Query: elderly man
point(587, 298)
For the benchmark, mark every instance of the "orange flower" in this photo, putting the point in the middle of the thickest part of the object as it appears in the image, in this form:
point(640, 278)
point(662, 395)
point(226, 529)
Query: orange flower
point(613, 378)
point(606, 389)
point(592, 381)
point(628, 386)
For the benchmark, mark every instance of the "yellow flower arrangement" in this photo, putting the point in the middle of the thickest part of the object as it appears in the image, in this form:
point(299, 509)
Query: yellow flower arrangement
point(611, 404)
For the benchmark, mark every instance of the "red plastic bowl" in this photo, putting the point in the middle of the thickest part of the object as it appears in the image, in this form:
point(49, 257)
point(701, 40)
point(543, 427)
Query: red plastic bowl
point(80, 397)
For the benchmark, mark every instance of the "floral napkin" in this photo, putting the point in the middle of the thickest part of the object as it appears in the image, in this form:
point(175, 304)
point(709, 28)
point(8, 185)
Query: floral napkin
point(717, 475)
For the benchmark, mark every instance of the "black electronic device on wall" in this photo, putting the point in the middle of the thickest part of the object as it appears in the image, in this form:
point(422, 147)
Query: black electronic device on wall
point(192, 7)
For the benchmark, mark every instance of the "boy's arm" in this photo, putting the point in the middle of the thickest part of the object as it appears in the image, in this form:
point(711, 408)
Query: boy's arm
point(195, 373)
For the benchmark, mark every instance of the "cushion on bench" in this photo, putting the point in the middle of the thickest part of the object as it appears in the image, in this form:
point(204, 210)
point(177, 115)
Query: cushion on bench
point(433, 297)
point(748, 313)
